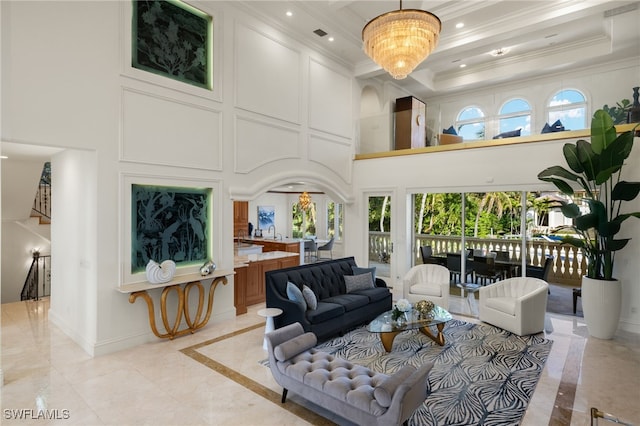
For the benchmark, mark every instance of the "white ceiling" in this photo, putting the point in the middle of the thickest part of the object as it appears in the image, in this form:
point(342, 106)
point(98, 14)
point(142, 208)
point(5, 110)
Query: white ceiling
point(24, 152)
point(543, 36)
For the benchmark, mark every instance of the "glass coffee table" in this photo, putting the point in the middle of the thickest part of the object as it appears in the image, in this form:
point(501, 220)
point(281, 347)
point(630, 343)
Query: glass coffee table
point(387, 329)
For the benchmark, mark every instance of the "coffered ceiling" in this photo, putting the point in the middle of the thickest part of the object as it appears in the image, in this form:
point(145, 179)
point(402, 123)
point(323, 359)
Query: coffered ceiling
point(539, 37)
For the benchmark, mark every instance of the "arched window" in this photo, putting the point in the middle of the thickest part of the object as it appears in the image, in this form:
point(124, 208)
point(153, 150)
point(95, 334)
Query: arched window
point(570, 107)
point(516, 114)
point(470, 123)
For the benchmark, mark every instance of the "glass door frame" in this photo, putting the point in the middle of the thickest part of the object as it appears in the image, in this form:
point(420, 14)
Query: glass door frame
point(388, 276)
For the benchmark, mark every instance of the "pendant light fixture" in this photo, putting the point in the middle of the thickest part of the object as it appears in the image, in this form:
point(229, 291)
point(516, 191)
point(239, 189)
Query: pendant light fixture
point(305, 201)
point(400, 40)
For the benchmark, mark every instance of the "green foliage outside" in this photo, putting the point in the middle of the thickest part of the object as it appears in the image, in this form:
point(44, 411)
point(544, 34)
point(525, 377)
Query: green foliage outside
point(304, 222)
point(491, 214)
point(379, 214)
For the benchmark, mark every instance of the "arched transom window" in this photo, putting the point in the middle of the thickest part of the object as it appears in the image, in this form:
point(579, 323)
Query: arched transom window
point(516, 114)
point(570, 107)
point(470, 124)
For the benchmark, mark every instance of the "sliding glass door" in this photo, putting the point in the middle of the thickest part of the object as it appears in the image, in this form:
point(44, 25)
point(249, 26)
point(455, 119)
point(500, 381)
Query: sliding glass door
point(522, 228)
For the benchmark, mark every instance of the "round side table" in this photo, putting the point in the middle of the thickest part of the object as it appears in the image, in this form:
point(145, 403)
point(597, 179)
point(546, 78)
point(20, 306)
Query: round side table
point(471, 289)
point(269, 314)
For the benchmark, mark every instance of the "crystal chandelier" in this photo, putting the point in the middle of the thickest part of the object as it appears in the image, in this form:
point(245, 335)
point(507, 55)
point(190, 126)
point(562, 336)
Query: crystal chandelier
point(399, 40)
point(305, 201)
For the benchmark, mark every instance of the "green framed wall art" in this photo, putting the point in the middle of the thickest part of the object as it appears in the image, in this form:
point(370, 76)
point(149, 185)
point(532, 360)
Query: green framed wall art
point(173, 39)
point(169, 222)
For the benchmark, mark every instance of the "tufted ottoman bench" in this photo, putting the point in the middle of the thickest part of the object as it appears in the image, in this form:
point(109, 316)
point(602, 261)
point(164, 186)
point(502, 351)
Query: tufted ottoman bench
point(346, 389)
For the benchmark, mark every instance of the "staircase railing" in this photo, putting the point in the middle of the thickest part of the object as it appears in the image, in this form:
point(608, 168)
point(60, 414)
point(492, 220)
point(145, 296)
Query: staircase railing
point(39, 275)
point(42, 202)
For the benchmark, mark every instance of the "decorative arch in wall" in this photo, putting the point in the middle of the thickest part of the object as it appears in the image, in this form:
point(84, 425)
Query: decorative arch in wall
point(337, 192)
point(375, 121)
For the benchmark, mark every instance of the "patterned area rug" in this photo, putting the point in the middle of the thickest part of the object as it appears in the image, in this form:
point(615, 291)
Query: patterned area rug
point(481, 376)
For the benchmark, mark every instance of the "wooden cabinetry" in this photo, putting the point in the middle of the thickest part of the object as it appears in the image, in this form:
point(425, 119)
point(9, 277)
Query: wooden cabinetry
point(240, 290)
point(288, 262)
point(255, 284)
point(240, 218)
point(291, 247)
point(410, 123)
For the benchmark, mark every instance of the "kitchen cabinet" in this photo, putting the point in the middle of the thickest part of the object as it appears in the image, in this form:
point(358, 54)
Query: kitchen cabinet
point(251, 285)
point(240, 218)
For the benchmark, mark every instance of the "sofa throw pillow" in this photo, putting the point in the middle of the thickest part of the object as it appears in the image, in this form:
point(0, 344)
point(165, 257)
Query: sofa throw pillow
point(295, 295)
point(358, 282)
point(383, 393)
point(449, 131)
point(310, 298)
point(555, 127)
point(359, 271)
point(511, 134)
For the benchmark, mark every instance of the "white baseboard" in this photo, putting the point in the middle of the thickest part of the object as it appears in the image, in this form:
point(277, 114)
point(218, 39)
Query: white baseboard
point(108, 346)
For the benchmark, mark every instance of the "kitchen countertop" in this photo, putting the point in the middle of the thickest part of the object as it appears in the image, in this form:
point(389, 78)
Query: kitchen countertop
point(272, 240)
point(239, 261)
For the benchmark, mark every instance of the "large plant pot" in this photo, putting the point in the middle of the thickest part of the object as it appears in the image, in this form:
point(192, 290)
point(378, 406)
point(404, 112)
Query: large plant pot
point(601, 301)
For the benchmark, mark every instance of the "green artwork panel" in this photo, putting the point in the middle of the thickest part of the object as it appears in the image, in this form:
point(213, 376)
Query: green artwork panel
point(170, 223)
point(172, 39)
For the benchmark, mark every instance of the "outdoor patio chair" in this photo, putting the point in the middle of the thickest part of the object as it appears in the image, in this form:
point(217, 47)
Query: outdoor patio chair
point(541, 272)
point(427, 255)
point(502, 255)
point(454, 265)
point(484, 270)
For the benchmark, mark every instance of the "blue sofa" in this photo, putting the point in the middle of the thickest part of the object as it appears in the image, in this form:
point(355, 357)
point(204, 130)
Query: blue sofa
point(337, 310)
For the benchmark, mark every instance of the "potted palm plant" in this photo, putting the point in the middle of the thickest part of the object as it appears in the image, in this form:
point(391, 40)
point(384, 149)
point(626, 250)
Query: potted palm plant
point(595, 167)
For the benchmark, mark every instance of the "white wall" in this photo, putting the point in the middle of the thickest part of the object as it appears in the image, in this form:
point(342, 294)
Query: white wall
point(377, 116)
point(75, 258)
point(265, 123)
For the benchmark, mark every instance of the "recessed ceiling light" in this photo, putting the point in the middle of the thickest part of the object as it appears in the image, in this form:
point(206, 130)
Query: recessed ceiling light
point(460, 25)
point(499, 52)
point(289, 13)
point(331, 38)
point(463, 65)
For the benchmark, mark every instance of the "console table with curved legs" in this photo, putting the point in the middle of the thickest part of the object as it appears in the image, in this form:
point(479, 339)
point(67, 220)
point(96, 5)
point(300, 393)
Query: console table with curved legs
point(189, 282)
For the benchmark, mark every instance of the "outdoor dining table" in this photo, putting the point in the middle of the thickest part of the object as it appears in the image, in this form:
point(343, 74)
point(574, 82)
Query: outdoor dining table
point(509, 268)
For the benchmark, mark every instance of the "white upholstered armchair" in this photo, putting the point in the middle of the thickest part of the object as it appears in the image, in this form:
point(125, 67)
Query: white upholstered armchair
point(516, 304)
point(427, 282)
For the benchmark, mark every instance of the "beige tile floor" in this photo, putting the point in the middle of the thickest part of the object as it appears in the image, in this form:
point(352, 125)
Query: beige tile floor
point(166, 382)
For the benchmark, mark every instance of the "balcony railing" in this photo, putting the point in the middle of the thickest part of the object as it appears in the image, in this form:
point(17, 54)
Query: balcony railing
point(568, 262)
